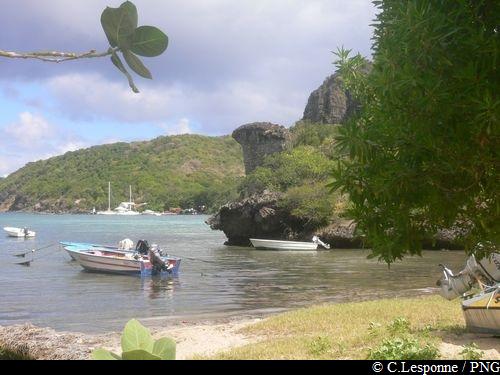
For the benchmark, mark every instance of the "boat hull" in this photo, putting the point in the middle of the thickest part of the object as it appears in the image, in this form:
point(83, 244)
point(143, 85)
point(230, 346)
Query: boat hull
point(283, 245)
point(18, 233)
point(95, 258)
point(95, 262)
point(482, 313)
point(106, 213)
point(119, 213)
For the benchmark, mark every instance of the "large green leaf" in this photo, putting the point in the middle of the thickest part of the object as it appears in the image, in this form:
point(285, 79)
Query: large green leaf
point(165, 348)
point(119, 24)
point(115, 59)
point(130, 9)
point(139, 355)
point(136, 64)
point(118, 63)
point(149, 41)
point(104, 355)
point(136, 337)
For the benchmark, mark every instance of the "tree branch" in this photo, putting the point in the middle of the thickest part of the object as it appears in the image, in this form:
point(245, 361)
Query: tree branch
point(55, 56)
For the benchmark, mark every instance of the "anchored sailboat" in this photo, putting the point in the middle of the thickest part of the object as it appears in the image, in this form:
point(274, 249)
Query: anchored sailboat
point(109, 211)
point(124, 209)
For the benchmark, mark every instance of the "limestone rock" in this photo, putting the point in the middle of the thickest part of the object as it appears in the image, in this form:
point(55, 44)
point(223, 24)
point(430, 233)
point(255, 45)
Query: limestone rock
point(259, 140)
point(257, 216)
point(330, 103)
point(341, 235)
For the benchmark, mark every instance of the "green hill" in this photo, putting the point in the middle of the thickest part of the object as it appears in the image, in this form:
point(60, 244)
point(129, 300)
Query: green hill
point(177, 171)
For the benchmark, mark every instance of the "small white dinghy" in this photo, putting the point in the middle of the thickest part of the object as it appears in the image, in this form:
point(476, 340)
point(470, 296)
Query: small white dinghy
point(288, 245)
point(19, 232)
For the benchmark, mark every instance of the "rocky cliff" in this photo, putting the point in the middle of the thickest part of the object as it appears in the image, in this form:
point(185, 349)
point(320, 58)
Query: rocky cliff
point(273, 215)
point(261, 216)
point(330, 103)
point(258, 216)
point(259, 140)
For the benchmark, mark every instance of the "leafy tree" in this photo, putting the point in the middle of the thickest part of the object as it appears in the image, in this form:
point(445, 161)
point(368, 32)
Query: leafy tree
point(303, 164)
point(423, 153)
point(121, 28)
point(311, 203)
point(302, 174)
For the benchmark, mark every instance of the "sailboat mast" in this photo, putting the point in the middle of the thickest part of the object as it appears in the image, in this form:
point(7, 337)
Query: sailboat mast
point(109, 196)
point(130, 187)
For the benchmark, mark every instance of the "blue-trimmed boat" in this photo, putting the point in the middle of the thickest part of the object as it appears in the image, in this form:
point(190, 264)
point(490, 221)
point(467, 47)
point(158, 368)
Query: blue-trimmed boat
point(145, 261)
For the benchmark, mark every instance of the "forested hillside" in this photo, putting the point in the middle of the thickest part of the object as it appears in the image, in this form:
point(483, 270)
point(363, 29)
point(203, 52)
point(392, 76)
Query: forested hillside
point(177, 171)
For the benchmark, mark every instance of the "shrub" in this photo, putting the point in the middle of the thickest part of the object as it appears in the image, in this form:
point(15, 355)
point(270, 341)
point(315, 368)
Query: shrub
point(304, 164)
point(310, 134)
point(320, 345)
point(399, 325)
point(471, 352)
point(137, 344)
point(310, 203)
point(407, 348)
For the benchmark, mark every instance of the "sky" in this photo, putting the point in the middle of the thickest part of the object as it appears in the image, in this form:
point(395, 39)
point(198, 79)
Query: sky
point(228, 63)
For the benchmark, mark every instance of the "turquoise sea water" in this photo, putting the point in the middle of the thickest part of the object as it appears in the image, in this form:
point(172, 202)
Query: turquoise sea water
point(222, 282)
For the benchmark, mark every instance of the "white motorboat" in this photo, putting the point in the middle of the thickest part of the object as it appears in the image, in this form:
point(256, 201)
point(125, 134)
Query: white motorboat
point(19, 232)
point(283, 245)
point(104, 259)
point(482, 309)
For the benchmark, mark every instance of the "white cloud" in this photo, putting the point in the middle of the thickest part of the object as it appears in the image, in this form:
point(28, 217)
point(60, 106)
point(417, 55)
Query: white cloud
point(228, 63)
point(277, 51)
point(70, 146)
point(181, 127)
point(4, 166)
point(32, 138)
point(29, 131)
point(217, 111)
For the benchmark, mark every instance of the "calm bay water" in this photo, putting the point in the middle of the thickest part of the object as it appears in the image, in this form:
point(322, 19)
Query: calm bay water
point(222, 282)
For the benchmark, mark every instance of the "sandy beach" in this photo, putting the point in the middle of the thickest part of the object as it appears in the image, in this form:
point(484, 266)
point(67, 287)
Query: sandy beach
point(193, 340)
point(204, 339)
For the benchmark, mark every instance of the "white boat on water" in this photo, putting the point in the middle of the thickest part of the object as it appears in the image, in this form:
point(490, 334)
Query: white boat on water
point(19, 232)
point(288, 245)
point(124, 209)
point(105, 259)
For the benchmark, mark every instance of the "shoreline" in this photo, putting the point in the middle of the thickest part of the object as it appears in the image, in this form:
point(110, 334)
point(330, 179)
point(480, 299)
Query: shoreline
point(251, 338)
point(193, 339)
point(85, 213)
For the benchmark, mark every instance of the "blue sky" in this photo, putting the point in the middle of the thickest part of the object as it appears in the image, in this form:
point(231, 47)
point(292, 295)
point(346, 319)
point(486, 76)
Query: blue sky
point(228, 63)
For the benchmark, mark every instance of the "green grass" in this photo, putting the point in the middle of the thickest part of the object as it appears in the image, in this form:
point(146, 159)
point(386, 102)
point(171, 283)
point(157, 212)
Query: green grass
point(374, 329)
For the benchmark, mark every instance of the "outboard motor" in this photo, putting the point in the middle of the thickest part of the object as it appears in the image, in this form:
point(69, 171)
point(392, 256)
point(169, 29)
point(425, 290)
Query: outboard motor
point(317, 240)
point(485, 272)
point(142, 247)
point(155, 259)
